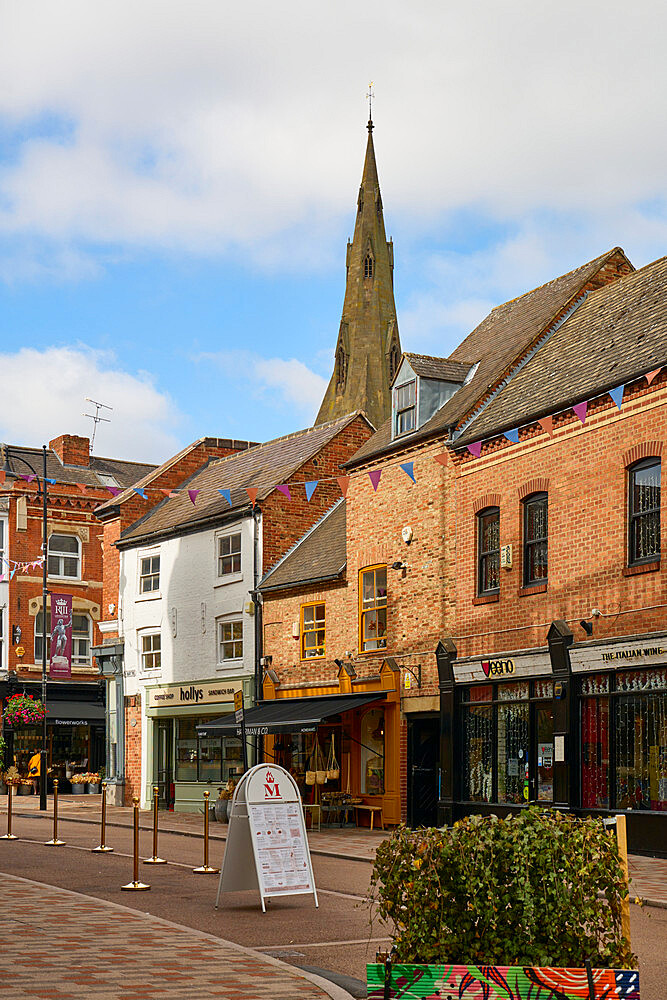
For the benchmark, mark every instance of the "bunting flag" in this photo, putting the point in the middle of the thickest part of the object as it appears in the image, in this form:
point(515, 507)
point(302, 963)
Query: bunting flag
point(310, 488)
point(3, 476)
point(252, 492)
point(82, 487)
point(193, 496)
point(284, 489)
point(2, 577)
point(141, 491)
point(475, 448)
point(114, 490)
point(580, 409)
point(513, 435)
point(651, 375)
point(442, 458)
point(52, 481)
point(343, 482)
point(374, 477)
point(28, 476)
point(167, 493)
point(227, 494)
point(547, 424)
point(407, 469)
point(617, 395)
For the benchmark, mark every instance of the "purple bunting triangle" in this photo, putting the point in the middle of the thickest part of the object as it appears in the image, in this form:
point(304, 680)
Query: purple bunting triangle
point(28, 476)
point(513, 435)
point(227, 494)
point(374, 477)
point(475, 448)
point(310, 488)
point(193, 496)
point(114, 490)
point(407, 469)
point(284, 489)
point(580, 410)
point(141, 491)
point(617, 395)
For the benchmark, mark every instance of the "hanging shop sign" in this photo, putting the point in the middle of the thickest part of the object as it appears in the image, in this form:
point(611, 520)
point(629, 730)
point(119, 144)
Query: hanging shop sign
point(60, 661)
point(501, 667)
point(187, 694)
point(267, 848)
point(619, 655)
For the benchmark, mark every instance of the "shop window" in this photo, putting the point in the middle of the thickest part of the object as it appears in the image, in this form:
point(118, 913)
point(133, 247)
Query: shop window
point(477, 722)
point(640, 717)
point(186, 749)
point(644, 511)
point(230, 641)
point(81, 629)
point(488, 551)
point(373, 608)
point(229, 554)
point(595, 742)
point(405, 408)
point(535, 541)
point(149, 574)
point(372, 752)
point(64, 556)
point(312, 631)
point(544, 725)
point(512, 751)
point(151, 651)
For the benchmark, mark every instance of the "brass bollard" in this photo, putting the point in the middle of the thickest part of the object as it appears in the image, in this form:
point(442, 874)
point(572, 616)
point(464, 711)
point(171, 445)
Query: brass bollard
point(103, 849)
point(136, 884)
point(9, 835)
point(206, 869)
point(55, 842)
point(155, 860)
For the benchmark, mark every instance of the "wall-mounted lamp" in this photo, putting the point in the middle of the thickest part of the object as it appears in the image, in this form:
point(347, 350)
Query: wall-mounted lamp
point(398, 565)
point(587, 627)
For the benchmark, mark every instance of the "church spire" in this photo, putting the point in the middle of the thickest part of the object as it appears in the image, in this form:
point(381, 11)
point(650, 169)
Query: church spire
point(368, 349)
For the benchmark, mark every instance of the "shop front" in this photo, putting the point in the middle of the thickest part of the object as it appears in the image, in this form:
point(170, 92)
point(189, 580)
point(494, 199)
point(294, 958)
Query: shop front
point(578, 726)
point(340, 741)
point(179, 761)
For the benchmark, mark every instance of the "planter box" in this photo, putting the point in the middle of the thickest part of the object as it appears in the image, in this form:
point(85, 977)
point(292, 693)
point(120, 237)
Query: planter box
point(79, 789)
point(24, 789)
point(470, 982)
point(93, 789)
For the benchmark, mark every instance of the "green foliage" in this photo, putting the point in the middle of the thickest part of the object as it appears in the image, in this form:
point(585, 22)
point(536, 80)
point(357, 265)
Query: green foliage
point(537, 888)
point(3, 751)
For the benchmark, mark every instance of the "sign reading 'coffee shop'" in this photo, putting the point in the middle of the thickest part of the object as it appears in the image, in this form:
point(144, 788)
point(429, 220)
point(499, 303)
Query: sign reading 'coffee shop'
point(198, 693)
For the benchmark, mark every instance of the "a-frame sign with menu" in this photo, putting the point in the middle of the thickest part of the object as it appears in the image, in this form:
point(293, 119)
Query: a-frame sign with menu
point(267, 848)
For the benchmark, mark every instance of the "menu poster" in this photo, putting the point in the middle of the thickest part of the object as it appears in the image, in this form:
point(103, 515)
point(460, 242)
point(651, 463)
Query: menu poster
point(280, 848)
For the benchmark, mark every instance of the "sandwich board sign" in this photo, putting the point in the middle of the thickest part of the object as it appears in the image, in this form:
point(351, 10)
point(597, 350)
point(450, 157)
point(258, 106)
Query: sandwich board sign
point(267, 848)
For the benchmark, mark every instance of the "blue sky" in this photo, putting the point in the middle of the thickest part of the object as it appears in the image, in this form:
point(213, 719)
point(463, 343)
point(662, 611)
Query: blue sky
point(177, 185)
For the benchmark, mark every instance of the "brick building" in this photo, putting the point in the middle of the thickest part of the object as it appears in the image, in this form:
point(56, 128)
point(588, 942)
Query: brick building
point(76, 483)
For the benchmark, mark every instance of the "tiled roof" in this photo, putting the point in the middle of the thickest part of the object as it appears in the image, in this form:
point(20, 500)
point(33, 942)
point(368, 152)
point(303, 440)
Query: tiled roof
point(125, 473)
point(503, 336)
point(618, 333)
point(441, 368)
point(319, 555)
point(263, 467)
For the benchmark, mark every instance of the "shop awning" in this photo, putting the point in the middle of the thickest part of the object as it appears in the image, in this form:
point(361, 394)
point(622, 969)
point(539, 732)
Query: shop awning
point(288, 715)
point(66, 711)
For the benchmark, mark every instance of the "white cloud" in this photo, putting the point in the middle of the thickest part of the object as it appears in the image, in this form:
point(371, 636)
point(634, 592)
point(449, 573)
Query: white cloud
point(43, 395)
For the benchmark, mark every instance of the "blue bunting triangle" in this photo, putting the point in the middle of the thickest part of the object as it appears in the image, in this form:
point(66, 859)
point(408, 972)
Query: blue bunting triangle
point(407, 469)
point(227, 494)
point(310, 488)
point(513, 435)
point(617, 395)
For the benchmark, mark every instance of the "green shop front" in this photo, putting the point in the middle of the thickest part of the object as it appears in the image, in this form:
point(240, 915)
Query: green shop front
point(182, 764)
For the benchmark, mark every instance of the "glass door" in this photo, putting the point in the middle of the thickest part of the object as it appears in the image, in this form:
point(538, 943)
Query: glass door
point(544, 752)
point(163, 763)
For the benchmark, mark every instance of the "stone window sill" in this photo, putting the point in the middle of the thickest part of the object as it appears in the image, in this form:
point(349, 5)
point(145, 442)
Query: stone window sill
point(648, 567)
point(486, 599)
point(537, 588)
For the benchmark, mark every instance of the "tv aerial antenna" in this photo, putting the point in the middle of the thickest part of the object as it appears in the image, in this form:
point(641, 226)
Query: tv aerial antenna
point(96, 418)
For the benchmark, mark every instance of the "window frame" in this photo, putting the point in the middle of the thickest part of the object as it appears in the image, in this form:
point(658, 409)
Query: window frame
point(62, 555)
point(534, 498)
point(154, 668)
point(634, 518)
point(401, 411)
point(315, 628)
point(376, 606)
point(220, 623)
point(483, 554)
point(150, 555)
point(233, 574)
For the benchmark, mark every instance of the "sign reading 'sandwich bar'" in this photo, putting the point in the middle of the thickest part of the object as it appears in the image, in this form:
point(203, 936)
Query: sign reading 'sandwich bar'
point(192, 693)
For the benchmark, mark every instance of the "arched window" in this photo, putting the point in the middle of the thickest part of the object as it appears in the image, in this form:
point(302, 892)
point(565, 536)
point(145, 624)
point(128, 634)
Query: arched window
point(368, 266)
point(535, 539)
point(488, 551)
point(64, 556)
point(341, 367)
point(644, 511)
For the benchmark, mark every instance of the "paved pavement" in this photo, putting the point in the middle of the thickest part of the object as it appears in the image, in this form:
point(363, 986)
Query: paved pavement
point(649, 875)
point(60, 945)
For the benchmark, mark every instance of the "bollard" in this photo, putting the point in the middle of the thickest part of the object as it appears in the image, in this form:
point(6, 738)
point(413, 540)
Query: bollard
point(206, 869)
point(9, 835)
point(103, 849)
point(155, 860)
point(55, 842)
point(136, 884)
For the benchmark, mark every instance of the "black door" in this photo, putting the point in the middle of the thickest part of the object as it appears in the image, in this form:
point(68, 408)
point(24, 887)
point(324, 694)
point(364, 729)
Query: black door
point(423, 761)
point(163, 763)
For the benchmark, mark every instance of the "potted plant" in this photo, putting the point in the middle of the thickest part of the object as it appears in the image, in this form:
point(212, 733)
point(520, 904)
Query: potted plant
point(224, 801)
point(23, 710)
point(79, 782)
point(92, 783)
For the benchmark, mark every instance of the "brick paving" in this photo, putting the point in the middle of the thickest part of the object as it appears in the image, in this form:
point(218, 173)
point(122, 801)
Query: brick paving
point(60, 945)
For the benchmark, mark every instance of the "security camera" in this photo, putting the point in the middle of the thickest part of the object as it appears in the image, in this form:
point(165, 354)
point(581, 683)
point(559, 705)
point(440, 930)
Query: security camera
point(595, 613)
point(406, 534)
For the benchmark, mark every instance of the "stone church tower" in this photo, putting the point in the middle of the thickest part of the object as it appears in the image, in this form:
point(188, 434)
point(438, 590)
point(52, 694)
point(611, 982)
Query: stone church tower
point(368, 350)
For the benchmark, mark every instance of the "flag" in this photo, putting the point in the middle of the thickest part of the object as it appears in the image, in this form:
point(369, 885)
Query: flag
point(617, 395)
point(284, 489)
point(580, 409)
point(28, 476)
point(252, 492)
point(442, 458)
point(60, 661)
point(140, 491)
point(193, 496)
point(114, 490)
point(547, 424)
point(310, 488)
point(374, 477)
point(513, 435)
point(343, 482)
point(651, 375)
point(227, 494)
point(475, 448)
point(407, 469)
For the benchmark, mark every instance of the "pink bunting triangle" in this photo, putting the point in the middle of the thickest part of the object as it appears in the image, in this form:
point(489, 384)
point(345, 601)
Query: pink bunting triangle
point(374, 477)
point(252, 492)
point(343, 482)
point(651, 375)
point(547, 424)
point(114, 490)
point(475, 448)
point(193, 496)
point(284, 489)
point(580, 409)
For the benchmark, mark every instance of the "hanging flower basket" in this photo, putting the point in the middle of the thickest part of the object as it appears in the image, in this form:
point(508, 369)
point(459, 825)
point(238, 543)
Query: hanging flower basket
point(23, 710)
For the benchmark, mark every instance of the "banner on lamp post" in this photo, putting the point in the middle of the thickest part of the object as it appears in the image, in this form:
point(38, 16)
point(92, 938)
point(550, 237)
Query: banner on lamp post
point(60, 660)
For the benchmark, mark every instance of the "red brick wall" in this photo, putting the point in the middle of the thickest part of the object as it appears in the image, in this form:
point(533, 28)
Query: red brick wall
point(132, 748)
point(584, 469)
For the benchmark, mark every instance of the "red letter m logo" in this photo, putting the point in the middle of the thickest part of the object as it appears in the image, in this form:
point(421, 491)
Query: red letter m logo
point(272, 790)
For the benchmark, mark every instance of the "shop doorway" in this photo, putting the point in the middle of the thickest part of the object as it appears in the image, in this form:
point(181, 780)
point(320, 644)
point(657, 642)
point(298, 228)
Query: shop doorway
point(543, 755)
point(164, 776)
point(423, 764)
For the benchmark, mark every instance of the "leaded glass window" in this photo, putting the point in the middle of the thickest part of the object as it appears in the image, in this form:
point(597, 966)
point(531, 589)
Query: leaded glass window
point(488, 551)
point(644, 511)
point(535, 544)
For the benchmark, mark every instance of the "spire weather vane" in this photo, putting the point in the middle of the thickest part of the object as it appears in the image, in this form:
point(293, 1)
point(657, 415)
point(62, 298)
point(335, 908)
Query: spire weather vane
point(96, 418)
point(370, 95)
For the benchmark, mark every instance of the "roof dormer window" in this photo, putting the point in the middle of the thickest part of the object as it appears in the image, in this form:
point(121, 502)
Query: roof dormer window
point(405, 407)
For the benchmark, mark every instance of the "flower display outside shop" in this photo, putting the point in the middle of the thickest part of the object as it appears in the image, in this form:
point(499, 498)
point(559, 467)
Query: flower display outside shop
point(88, 778)
point(23, 710)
